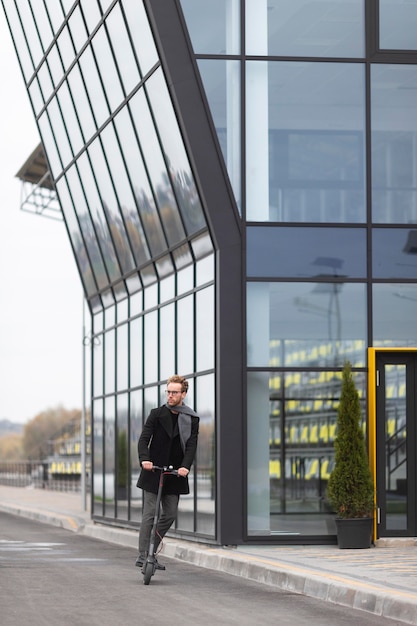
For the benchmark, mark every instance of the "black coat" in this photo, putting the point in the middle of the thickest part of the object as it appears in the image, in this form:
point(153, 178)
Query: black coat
point(160, 443)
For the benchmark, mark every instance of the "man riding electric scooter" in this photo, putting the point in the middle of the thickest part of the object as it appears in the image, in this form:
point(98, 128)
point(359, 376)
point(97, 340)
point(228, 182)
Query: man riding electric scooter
point(169, 438)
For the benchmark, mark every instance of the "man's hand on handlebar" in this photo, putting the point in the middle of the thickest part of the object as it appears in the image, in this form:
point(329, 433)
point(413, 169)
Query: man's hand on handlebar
point(183, 471)
point(147, 465)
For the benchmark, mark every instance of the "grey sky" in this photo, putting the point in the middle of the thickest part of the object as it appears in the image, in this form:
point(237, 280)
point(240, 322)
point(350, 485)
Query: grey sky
point(41, 295)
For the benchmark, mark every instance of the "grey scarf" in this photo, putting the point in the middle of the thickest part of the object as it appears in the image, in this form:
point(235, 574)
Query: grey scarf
point(184, 422)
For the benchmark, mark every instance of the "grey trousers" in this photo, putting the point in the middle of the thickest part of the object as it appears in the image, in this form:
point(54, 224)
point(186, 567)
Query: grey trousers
point(169, 506)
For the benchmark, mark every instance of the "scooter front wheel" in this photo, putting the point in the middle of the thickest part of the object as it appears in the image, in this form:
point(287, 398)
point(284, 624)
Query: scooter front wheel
point(148, 570)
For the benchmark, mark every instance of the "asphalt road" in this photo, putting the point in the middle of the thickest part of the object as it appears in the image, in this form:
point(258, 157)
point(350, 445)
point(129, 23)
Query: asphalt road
point(53, 577)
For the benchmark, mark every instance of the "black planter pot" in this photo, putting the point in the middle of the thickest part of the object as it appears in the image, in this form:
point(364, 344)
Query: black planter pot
point(355, 533)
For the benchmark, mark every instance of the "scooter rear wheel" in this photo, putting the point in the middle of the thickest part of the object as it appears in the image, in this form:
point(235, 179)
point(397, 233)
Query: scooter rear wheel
point(148, 570)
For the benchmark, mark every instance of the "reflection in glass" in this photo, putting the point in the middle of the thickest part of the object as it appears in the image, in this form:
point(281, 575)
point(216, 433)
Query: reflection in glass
point(285, 251)
point(306, 324)
point(179, 168)
point(107, 68)
point(84, 113)
point(109, 456)
point(167, 341)
point(290, 108)
point(84, 258)
point(122, 49)
point(394, 315)
point(150, 154)
point(395, 447)
point(150, 359)
point(394, 253)
point(214, 26)
point(141, 35)
point(185, 334)
point(101, 228)
point(98, 468)
point(110, 361)
point(222, 86)
point(122, 357)
point(94, 87)
point(205, 458)
point(394, 137)
point(123, 477)
point(204, 326)
point(292, 422)
point(305, 28)
point(136, 352)
point(397, 25)
point(110, 205)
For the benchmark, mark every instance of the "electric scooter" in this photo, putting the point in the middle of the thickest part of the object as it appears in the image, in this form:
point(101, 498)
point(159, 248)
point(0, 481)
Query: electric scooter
point(149, 566)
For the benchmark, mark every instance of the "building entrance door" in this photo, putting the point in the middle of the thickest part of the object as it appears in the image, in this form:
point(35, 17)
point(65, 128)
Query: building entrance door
point(396, 443)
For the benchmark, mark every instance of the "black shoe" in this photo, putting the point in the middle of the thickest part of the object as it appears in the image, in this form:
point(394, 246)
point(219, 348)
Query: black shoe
point(140, 560)
point(159, 566)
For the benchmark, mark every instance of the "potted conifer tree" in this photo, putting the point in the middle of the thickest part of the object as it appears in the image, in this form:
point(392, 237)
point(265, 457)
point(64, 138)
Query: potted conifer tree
point(350, 489)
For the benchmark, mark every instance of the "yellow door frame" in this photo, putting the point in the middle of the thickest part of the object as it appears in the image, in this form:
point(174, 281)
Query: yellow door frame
point(372, 354)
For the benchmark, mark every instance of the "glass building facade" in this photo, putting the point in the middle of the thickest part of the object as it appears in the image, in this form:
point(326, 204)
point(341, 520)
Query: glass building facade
point(238, 180)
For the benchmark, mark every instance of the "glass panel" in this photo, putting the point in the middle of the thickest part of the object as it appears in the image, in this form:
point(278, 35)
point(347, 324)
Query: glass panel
point(98, 366)
point(107, 69)
point(185, 335)
point(122, 49)
point(109, 456)
point(136, 413)
point(214, 26)
point(20, 41)
point(71, 118)
point(36, 96)
point(151, 353)
point(397, 25)
point(126, 201)
point(294, 112)
point(91, 13)
point(31, 32)
point(292, 423)
point(394, 143)
point(109, 362)
point(141, 35)
point(94, 87)
point(98, 468)
point(306, 252)
point(205, 337)
point(122, 357)
point(60, 132)
point(79, 94)
point(222, 85)
point(77, 29)
point(167, 341)
point(136, 352)
point(55, 15)
point(394, 253)
point(394, 315)
point(89, 236)
point(49, 145)
point(144, 195)
point(306, 324)
point(202, 245)
point(110, 206)
point(205, 270)
point(167, 289)
point(55, 66)
point(179, 167)
point(305, 28)
point(205, 470)
point(396, 447)
point(98, 216)
point(78, 245)
point(185, 279)
point(66, 48)
point(182, 256)
point(123, 479)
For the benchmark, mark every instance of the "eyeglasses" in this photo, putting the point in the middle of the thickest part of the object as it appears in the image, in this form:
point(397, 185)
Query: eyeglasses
point(172, 393)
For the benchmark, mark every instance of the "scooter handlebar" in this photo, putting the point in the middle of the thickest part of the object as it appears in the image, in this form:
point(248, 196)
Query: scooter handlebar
point(166, 469)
